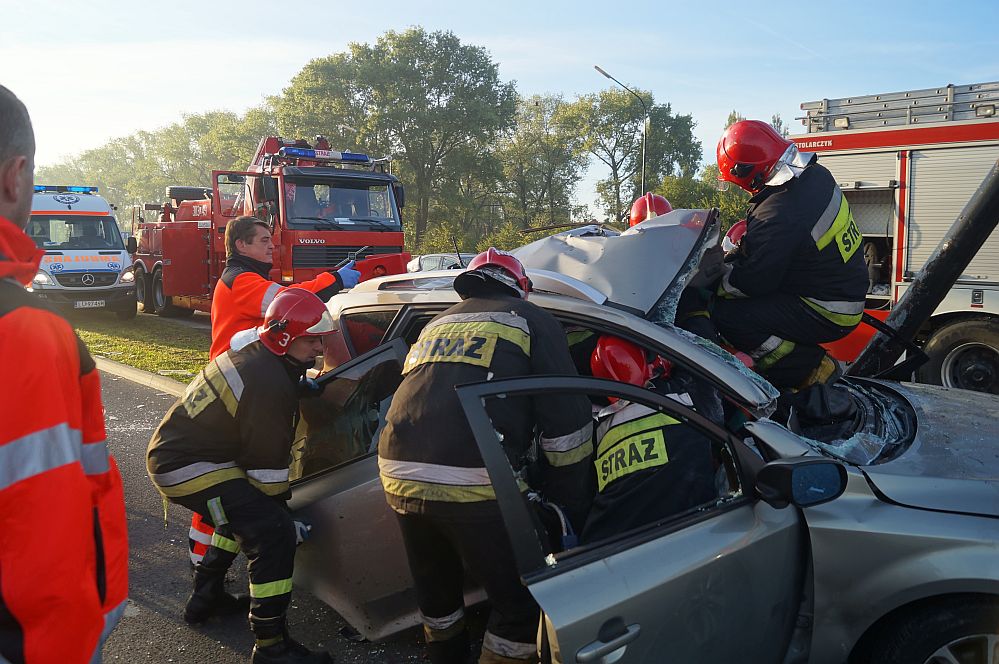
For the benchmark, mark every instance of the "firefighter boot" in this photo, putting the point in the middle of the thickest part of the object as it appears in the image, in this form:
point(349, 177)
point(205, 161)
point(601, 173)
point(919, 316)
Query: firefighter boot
point(275, 646)
point(826, 373)
point(210, 598)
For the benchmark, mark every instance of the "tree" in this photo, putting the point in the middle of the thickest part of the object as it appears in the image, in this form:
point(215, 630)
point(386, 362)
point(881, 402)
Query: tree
point(543, 159)
point(778, 123)
point(612, 123)
point(672, 149)
point(415, 94)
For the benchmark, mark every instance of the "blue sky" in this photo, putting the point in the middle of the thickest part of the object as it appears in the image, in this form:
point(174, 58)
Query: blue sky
point(117, 66)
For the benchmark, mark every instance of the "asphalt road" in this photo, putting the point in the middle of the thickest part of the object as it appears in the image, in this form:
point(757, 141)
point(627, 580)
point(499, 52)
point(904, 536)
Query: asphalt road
point(160, 577)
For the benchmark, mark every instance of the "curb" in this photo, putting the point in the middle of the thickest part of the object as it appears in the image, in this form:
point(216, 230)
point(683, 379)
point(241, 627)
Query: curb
point(161, 383)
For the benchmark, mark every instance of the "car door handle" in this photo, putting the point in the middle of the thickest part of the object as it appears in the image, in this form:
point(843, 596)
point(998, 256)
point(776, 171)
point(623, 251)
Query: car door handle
point(593, 652)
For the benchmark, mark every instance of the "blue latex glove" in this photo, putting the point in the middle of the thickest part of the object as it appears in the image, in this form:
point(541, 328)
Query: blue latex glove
point(303, 529)
point(348, 275)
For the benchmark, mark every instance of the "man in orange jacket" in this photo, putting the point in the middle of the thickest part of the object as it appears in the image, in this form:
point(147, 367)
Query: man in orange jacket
point(63, 587)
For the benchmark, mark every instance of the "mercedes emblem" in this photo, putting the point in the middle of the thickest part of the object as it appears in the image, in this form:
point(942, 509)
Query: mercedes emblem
point(88, 280)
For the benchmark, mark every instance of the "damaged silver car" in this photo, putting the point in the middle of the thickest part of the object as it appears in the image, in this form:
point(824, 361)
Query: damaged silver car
point(871, 536)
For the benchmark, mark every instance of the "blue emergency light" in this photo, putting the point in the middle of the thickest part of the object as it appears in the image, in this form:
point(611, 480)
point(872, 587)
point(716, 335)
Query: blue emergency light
point(66, 188)
point(324, 155)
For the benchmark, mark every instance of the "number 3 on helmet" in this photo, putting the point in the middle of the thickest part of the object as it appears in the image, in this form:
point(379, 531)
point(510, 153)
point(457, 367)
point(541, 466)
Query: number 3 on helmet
point(294, 313)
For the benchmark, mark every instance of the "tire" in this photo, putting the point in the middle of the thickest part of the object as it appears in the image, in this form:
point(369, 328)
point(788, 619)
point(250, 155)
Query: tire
point(965, 355)
point(143, 291)
point(179, 193)
point(958, 630)
point(163, 304)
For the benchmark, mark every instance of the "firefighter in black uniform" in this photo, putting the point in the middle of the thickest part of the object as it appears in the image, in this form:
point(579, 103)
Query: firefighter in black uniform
point(434, 477)
point(649, 465)
point(797, 279)
point(223, 451)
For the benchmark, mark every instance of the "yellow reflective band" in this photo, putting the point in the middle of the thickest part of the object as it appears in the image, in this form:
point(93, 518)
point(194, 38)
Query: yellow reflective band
point(578, 337)
point(225, 543)
point(514, 335)
point(774, 356)
point(843, 320)
point(198, 395)
point(272, 589)
point(443, 493)
point(569, 457)
point(637, 452)
point(201, 482)
point(844, 231)
point(269, 488)
point(217, 380)
point(455, 343)
point(632, 427)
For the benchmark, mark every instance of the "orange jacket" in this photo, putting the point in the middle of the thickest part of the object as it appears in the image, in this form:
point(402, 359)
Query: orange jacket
point(243, 293)
point(63, 539)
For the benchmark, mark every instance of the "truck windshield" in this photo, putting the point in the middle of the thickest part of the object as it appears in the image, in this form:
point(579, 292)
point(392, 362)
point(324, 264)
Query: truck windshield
point(57, 233)
point(341, 204)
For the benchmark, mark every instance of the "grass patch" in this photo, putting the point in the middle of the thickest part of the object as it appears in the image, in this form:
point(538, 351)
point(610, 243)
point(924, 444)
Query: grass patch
point(154, 344)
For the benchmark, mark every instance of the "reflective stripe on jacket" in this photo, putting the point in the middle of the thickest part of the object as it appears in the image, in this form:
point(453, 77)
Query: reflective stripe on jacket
point(64, 550)
point(235, 420)
point(428, 458)
point(244, 292)
point(802, 239)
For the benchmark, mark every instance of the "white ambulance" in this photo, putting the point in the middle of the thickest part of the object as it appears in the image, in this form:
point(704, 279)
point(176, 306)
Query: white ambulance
point(86, 263)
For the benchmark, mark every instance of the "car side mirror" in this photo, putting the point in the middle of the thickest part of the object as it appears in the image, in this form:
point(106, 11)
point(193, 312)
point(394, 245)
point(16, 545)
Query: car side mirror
point(131, 246)
point(800, 482)
point(400, 194)
point(269, 188)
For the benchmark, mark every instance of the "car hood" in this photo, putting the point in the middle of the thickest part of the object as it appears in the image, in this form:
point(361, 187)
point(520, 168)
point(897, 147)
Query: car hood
point(952, 463)
point(641, 270)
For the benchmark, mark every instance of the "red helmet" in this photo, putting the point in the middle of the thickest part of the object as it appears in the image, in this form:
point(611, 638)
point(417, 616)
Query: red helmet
point(648, 207)
point(734, 235)
point(294, 313)
point(747, 153)
point(620, 360)
point(495, 264)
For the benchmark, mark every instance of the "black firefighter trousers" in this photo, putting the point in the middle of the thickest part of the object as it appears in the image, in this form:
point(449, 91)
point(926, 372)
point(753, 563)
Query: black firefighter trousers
point(779, 331)
point(439, 549)
point(248, 520)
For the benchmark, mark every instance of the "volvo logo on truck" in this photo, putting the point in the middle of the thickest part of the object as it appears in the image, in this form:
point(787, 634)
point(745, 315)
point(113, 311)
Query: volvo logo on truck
point(311, 240)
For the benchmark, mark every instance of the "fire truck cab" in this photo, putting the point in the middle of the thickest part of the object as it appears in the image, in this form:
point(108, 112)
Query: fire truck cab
point(908, 162)
point(323, 206)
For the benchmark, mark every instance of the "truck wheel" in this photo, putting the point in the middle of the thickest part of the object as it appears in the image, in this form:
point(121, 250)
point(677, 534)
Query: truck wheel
point(142, 291)
point(179, 193)
point(965, 355)
point(956, 631)
point(163, 304)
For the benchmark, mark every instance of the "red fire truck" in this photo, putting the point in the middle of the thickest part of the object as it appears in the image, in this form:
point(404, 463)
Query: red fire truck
point(908, 162)
point(324, 206)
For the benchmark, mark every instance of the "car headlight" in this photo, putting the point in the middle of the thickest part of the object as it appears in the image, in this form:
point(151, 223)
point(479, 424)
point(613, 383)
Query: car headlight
point(127, 277)
point(42, 279)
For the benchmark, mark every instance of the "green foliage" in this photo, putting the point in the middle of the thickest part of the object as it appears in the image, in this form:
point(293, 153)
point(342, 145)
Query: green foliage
point(506, 237)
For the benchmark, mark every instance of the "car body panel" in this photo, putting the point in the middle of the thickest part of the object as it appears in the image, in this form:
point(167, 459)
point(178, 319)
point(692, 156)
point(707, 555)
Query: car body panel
point(955, 453)
point(871, 557)
point(634, 269)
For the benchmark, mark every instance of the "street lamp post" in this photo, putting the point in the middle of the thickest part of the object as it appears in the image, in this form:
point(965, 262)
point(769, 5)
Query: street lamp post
point(645, 126)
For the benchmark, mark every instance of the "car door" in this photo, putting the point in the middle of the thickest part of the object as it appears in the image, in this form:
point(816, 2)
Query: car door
point(355, 561)
point(717, 583)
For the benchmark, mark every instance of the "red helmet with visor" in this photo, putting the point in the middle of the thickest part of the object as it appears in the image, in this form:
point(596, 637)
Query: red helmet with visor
point(496, 265)
point(648, 207)
point(748, 153)
point(294, 313)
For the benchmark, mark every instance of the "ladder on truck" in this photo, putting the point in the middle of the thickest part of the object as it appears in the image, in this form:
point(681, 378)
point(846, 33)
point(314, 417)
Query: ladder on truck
point(978, 101)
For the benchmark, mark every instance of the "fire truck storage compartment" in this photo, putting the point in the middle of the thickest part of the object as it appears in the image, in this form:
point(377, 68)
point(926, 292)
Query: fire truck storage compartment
point(942, 182)
point(188, 277)
point(869, 182)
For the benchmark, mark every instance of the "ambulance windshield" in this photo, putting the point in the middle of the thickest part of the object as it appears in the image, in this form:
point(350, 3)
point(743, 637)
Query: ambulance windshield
point(66, 232)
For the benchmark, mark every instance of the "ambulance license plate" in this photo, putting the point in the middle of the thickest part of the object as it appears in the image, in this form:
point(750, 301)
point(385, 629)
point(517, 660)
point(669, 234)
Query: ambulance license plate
point(88, 304)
